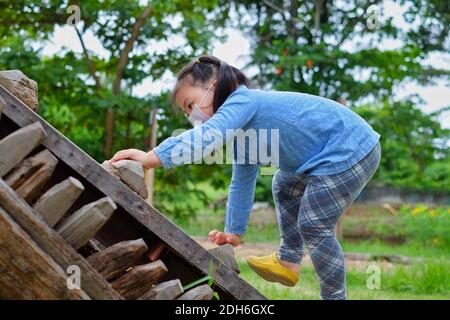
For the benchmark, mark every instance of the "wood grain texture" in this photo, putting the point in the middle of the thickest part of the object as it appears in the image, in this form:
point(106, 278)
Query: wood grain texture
point(169, 290)
point(28, 177)
point(27, 272)
point(203, 292)
point(58, 199)
point(21, 87)
point(28, 138)
point(85, 222)
point(181, 244)
point(53, 244)
point(117, 258)
point(140, 279)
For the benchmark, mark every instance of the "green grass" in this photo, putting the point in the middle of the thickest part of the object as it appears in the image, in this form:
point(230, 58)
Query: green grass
point(431, 281)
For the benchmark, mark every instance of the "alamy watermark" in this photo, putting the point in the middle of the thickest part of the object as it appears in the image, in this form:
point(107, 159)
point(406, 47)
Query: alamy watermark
point(373, 281)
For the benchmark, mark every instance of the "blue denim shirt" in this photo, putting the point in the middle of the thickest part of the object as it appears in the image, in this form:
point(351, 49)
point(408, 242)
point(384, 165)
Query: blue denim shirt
point(315, 136)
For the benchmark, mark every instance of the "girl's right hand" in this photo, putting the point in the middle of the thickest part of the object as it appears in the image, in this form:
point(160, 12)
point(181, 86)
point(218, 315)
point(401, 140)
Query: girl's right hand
point(222, 238)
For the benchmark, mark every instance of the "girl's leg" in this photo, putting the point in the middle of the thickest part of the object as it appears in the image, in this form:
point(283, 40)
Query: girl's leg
point(325, 199)
point(287, 190)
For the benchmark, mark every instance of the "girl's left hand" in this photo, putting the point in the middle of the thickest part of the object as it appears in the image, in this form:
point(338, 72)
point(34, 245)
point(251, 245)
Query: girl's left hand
point(221, 238)
point(130, 154)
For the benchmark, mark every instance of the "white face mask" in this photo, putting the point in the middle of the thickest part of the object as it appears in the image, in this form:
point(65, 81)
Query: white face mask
point(197, 116)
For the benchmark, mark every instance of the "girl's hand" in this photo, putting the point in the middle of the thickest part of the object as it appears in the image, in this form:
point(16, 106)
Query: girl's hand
point(221, 238)
point(130, 154)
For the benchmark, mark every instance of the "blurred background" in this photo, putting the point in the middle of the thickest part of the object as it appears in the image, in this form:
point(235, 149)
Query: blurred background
point(105, 70)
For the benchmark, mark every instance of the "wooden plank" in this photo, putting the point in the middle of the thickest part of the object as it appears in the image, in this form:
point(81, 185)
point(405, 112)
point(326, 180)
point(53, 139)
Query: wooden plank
point(203, 292)
point(225, 253)
point(140, 279)
point(27, 138)
point(2, 106)
point(169, 290)
point(182, 244)
point(26, 271)
point(53, 244)
point(84, 224)
point(117, 258)
point(32, 174)
point(58, 199)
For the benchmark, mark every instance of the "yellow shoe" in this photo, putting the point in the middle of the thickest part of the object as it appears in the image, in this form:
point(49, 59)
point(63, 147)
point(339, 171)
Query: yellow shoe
point(269, 268)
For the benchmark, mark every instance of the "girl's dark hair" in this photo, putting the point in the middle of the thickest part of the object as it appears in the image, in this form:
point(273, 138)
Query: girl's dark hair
point(206, 68)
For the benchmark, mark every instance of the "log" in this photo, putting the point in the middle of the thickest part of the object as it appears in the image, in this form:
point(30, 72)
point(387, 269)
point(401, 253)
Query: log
point(139, 279)
point(2, 106)
point(117, 258)
point(203, 292)
point(85, 223)
point(58, 199)
point(27, 138)
point(53, 244)
point(168, 290)
point(27, 272)
point(225, 253)
point(132, 174)
point(154, 253)
point(21, 87)
point(32, 174)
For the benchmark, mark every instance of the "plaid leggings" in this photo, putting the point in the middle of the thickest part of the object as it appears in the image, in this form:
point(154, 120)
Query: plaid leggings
point(308, 208)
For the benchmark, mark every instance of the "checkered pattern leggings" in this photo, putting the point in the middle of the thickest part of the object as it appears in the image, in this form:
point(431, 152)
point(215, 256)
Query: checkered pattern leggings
point(308, 208)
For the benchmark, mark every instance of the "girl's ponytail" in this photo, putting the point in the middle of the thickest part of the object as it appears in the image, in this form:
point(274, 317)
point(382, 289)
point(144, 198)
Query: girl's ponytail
point(205, 69)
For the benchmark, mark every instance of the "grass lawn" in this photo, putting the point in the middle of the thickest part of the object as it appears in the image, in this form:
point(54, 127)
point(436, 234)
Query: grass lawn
point(428, 280)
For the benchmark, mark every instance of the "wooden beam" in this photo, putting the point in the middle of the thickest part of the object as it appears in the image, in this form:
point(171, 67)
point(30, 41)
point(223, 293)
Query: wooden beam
point(140, 211)
point(140, 279)
point(155, 251)
point(117, 258)
point(129, 172)
point(58, 199)
point(203, 292)
point(53, 244)
point(85, 222)
point(169, 290)
point(28, 138)
point(32, 174)
point(27, 272)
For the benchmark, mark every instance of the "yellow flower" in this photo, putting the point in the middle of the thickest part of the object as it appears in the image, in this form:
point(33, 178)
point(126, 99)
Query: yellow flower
point(417, 210)
point(433, 213)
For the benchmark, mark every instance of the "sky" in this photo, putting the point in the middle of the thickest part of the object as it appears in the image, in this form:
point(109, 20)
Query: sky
point(236, 51)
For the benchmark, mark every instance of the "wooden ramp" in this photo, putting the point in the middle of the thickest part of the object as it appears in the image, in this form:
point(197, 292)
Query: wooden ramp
point(60, 208)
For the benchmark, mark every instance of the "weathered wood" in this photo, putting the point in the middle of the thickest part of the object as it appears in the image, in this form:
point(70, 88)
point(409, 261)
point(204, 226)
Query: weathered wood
point(27, 138)
point(32, 174)
point(143, 219)
point(84, 223)
point(139, 279)
point(155, 251)
point(53, 244)
point(169, 290)
point(117, 258)
point(58, 199)
point(27, 272)
point(131, 173)
point(203, 292)
point(21, 87)
point(2, 106)
point(225, 253)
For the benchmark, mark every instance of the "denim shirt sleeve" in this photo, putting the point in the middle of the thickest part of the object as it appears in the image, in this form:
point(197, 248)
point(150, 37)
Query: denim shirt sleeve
point(240, 197)
point(192, 145)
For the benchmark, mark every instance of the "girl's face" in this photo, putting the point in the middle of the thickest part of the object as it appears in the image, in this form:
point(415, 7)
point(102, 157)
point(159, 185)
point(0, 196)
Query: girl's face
point(188, 96)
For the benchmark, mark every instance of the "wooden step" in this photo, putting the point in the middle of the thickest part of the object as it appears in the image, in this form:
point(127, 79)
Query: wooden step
point(84, 223)
point(117, 258)
point(54, 203)
point(169, 290)
point(27, 138)
point(203, 292)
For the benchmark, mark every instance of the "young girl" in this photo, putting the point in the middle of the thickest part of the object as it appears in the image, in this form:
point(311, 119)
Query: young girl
point(326, 155)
